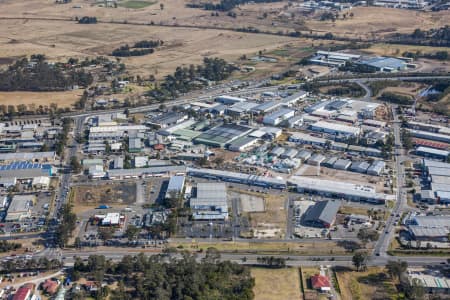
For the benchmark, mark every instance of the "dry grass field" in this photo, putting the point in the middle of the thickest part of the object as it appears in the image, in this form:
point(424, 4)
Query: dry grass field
point(273, 284)
point(365, 285)
point(378, 21)
point(63, 99)
point(59, 40)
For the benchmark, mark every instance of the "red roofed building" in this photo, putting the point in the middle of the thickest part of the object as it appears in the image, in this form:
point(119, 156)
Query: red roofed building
point(158, 147)
point(50, 286)
point(22, 293)
point(320, 282)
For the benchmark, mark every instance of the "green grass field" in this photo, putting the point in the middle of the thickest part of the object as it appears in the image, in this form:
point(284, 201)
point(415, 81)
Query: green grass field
point(137, 4)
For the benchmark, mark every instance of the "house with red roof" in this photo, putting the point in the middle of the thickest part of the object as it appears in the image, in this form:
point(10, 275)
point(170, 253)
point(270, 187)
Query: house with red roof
point(320, 282)
point(50, 286)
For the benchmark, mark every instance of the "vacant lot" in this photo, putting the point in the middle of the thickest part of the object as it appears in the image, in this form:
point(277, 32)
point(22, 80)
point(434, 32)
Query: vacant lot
point(272, 222)
point(89, 196)
point(62, 99)
point(303, 248)
point(365, 285)
point(272, 284)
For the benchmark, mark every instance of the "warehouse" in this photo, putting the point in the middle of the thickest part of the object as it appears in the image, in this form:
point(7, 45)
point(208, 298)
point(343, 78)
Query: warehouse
point(111, 219)
point(277, 151)
point(229, 100)
point(279, 116)
point(267, 107)
point(359, 167)
point(135, 145)
point(376, 168)
point(419, 233)
point(118, 162)
point(175, 186)
point(238, 177)
point(431, 221)
point(430, 136)
point(384, 64)
point(342, 164)
point(303, 138)
point(222, 135)
point(432, 153)
point(146, 172)
point(289, 153)
point(210, 202)
point(304, 155)
point(243, 144)
point(28, 156)
point(332, 59)
point(294, 98)
point(20, 208)
point(25, 170)
point(316, 159)
point(336, 129)
point(240, 108)
point(322, 214)
point(338, 190)
point(41, 182)
point(167, 119)
point(329, 162)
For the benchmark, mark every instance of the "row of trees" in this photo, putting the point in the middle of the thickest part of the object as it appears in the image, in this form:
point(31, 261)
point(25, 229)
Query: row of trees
point(140, 48)
point(226, 5)
point(67, 226)
point(6, 246)
point(396, 98)
point(38, 75)
point(28, 265)
point(434, 37)
point(63, 137)
point(87, 20)
point(160, 277)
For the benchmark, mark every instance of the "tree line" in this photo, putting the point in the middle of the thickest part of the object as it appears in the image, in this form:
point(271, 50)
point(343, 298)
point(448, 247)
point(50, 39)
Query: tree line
point(140, 48)
point(226, 5)
point(439, 37)
point(87, 20)
point(67, 226)
point(166, 278)
point(39, 75)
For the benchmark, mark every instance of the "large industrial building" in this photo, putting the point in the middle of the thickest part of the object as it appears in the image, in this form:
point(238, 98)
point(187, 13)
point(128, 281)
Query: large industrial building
point(222, 135)
point(210, 202)
point(338, 190)
point(333, 59)
point(163, 171)
point(276, 117)
point(322, 214)
point(336, 129)
point(256, 180)
point(384, 64)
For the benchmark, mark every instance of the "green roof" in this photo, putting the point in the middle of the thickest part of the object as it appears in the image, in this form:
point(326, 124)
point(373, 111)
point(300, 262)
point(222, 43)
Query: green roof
point(186, 134)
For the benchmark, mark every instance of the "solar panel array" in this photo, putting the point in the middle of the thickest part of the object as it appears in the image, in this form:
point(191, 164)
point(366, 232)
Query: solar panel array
point(21, 165)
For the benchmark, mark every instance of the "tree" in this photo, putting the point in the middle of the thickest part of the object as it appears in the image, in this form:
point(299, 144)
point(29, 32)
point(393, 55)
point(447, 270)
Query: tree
point(414, 289)
point(365, 235)
point(75, 164)
point(161, 6)
point(359, 260)
point(106, 233)
point(396, 268)
point(131, 232)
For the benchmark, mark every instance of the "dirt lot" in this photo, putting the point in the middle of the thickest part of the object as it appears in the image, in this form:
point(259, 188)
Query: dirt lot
point(87, 197)
point(271, 284)
point(63, 99)
point(365, 285)
point(272, 222)
point(251, 203)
